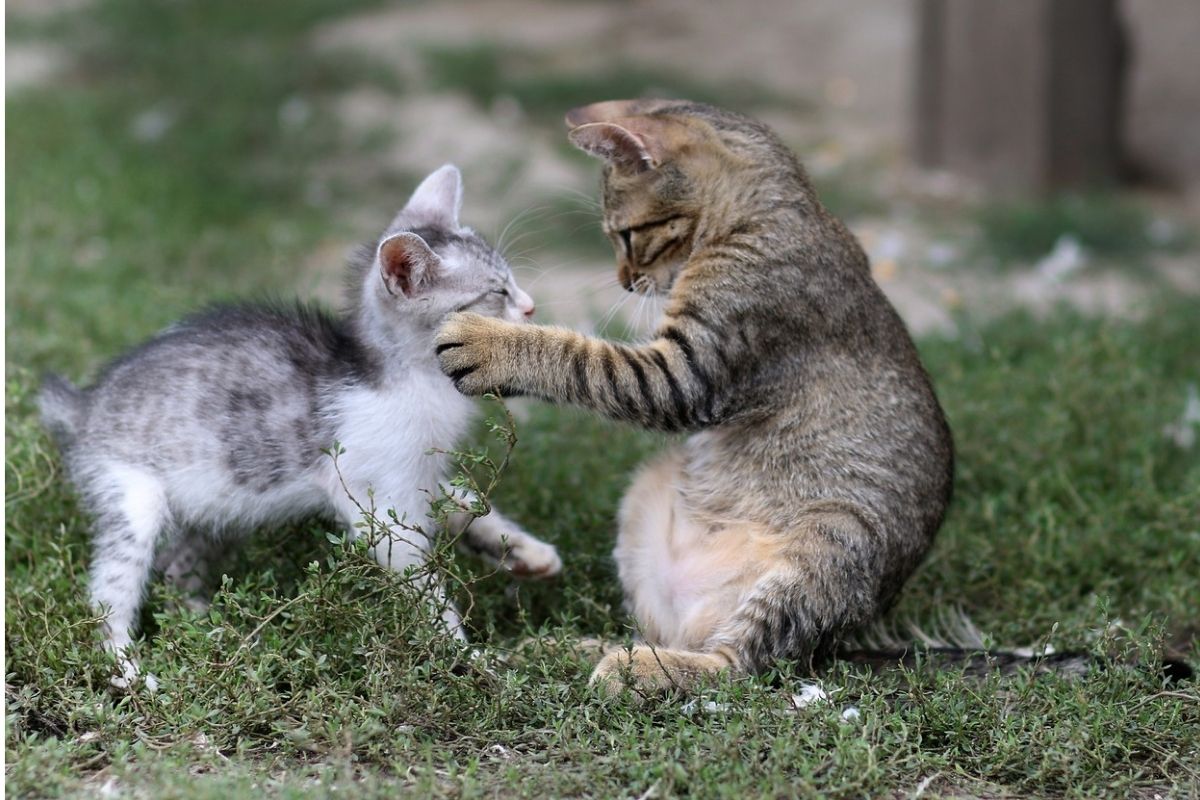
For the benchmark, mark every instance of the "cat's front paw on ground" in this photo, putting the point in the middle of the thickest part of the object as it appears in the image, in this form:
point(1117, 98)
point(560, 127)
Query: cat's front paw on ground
point(471, 350)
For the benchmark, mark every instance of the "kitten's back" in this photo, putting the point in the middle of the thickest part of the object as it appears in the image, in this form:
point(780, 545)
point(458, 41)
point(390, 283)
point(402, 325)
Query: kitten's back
point(244, 384)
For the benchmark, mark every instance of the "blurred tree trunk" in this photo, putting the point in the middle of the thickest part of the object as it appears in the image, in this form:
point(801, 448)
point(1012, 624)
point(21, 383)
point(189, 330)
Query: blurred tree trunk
point(1020, 95)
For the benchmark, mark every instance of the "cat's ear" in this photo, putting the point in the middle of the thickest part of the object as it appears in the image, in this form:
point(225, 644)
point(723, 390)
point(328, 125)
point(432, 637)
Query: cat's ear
point(406, 264)
point(635, 144)
point(616, 144)
point(438, 199)
point(610, 110)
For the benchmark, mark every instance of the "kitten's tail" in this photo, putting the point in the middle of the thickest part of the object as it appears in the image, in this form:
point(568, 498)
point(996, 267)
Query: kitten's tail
point(958, 644)
point(61, 404)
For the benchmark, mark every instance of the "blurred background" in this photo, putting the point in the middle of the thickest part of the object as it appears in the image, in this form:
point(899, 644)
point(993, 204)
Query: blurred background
point(989, 155)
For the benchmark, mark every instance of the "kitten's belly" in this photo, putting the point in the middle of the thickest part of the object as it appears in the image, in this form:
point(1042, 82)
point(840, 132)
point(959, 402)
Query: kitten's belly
point(216, 502)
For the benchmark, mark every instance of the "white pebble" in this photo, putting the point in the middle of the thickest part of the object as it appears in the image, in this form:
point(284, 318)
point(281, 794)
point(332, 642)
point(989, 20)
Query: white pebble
point(809, 694)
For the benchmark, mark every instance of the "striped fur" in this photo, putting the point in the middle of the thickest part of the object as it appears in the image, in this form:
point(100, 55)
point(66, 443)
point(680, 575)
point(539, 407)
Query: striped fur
point(818, 464)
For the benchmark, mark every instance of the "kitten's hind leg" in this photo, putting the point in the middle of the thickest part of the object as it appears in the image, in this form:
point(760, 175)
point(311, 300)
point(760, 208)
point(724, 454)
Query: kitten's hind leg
point(500, 541)
point(130, 507)
point(401, 549)
point(187, 565)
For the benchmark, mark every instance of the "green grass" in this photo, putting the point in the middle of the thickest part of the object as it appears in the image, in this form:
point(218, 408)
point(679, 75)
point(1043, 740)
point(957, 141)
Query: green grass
point(1073, 511)
point(1076, 519)
point(211, 208)
point(1110, 226)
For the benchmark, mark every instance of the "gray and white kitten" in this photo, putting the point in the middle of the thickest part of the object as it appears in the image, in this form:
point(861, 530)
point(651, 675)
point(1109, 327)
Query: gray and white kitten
point(217, 425)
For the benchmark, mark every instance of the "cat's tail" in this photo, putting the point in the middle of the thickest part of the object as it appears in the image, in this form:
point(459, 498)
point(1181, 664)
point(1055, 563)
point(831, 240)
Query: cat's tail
point(958, 644)
point(61, 404)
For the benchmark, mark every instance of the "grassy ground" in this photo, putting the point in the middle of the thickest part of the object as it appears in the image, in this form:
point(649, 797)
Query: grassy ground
point(148, 184)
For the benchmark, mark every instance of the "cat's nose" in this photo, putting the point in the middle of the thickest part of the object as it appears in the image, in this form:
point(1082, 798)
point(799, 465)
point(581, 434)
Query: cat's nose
point(524, 303)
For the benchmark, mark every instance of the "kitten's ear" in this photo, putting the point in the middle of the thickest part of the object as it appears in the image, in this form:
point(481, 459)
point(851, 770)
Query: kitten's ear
point(406, 264)
point(438, 199)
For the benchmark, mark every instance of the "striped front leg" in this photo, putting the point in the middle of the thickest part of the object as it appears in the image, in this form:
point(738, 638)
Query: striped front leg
point(673, 383)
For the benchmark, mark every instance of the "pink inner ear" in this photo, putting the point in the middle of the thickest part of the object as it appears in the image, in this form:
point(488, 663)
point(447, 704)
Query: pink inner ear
point(399, 264)
point(613, 143)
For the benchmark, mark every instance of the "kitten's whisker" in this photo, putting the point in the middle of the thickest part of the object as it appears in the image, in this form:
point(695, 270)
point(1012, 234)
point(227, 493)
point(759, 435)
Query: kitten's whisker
point(546, 227)
point(527, 264)
point(580, 227)
point(520, 218)
point(522, 236)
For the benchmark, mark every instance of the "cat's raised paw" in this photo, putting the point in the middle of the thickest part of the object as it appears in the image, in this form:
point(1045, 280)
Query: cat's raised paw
point(471, 351)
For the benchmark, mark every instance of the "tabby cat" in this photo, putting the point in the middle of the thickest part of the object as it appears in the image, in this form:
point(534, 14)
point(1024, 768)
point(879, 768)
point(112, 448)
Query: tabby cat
point(819, 464)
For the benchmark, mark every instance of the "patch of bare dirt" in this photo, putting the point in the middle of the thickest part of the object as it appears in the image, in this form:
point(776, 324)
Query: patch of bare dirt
point(29, 65)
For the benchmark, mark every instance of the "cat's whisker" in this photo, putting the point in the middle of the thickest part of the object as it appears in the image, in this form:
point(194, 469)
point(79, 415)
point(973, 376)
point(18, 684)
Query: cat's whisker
point(527, 215)
point(577, 210)
point(636, 323)
point(525, 256)
point(608, 317)
point(576, 195)
point(502, 235)
point(540, 214)
point(522, 236)
point(548, 225)
point(605, 281)
point(612, 313)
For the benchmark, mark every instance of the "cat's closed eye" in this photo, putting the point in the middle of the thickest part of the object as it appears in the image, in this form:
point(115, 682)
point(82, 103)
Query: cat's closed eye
point(626, 235)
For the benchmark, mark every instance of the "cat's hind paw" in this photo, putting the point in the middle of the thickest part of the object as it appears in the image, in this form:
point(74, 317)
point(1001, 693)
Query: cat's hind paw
point(650, 671)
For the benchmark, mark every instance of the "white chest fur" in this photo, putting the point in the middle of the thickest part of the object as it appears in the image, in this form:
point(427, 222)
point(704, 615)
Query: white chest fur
point(386, 434)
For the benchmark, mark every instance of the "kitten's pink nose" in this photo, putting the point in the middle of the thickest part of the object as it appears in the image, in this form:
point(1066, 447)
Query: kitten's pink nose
point(524, 303)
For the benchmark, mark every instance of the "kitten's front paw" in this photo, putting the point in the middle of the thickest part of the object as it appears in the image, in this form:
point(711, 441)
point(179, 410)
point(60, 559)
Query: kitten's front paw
point(533, 559)
point(471, 350)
